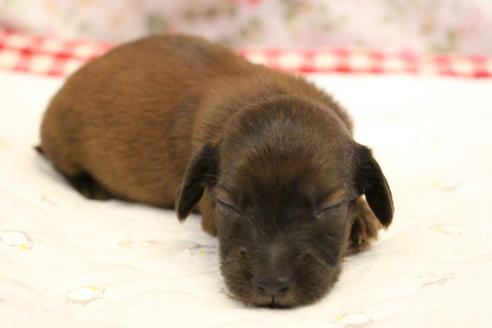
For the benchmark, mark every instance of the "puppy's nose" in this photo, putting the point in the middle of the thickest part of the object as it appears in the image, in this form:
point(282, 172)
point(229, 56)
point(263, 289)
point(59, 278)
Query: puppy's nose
point(272, 286)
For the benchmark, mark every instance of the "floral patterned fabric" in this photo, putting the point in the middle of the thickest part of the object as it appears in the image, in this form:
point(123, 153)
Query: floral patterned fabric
point(417, 26)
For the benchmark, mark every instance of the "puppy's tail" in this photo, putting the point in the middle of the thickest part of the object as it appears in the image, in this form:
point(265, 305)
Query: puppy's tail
point(39, 149)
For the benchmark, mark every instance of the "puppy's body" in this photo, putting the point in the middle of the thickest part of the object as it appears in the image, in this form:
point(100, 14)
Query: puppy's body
point(133, 118)
point(128, 125)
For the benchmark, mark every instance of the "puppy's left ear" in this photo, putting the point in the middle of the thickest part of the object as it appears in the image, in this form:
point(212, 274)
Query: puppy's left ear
point(371, 181)
point(201, 173)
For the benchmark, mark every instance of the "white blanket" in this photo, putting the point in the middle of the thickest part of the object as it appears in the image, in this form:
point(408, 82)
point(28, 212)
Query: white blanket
point(70, 262)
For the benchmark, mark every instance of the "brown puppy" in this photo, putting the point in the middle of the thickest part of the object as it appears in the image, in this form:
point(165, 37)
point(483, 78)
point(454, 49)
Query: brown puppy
point(268, 158)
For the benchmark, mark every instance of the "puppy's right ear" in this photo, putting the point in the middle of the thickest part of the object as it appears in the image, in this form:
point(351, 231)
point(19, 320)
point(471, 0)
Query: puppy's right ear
point(201, 172)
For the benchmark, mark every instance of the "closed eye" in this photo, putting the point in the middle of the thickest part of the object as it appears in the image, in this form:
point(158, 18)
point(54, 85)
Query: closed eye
point(333, 208)
point(330, 208)
point(226, 205)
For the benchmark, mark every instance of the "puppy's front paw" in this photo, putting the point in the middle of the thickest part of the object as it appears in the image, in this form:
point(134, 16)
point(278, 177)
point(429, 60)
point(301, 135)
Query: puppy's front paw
point(365, 227)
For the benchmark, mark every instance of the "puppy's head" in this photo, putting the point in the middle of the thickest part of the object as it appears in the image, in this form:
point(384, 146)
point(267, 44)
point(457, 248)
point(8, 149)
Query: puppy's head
point(283, 180)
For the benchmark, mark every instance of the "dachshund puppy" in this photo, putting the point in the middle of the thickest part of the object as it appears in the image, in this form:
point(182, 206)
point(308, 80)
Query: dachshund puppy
point(266, 158)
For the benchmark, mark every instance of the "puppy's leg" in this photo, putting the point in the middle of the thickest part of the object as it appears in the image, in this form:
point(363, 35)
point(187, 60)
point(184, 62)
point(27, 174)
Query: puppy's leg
point(88, 186)
point(365, 226)
point(208, 214)
point(80, 180)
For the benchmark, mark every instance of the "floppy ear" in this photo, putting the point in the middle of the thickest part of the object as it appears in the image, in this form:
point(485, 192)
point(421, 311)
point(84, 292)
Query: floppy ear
point(371, 182)
point(201, 173)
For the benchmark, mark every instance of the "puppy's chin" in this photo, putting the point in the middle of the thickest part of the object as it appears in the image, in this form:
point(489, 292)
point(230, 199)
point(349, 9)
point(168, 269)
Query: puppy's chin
point(312, 282)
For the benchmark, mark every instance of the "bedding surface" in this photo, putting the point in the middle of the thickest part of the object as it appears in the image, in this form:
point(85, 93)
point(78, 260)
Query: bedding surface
point(69, 262)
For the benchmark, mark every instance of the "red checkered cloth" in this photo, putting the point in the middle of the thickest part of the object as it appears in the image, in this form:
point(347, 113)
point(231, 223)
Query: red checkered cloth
point(56, 57)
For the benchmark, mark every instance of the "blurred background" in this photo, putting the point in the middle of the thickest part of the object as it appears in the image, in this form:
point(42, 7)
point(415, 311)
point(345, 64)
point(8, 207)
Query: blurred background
point(406, 26)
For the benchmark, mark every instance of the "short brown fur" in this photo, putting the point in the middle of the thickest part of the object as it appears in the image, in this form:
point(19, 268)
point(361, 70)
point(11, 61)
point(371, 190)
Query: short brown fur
point(174, 120)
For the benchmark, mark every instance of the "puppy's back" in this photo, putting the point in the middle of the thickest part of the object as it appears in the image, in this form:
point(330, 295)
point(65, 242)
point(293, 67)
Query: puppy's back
point(126, 117)
point(133, 118)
